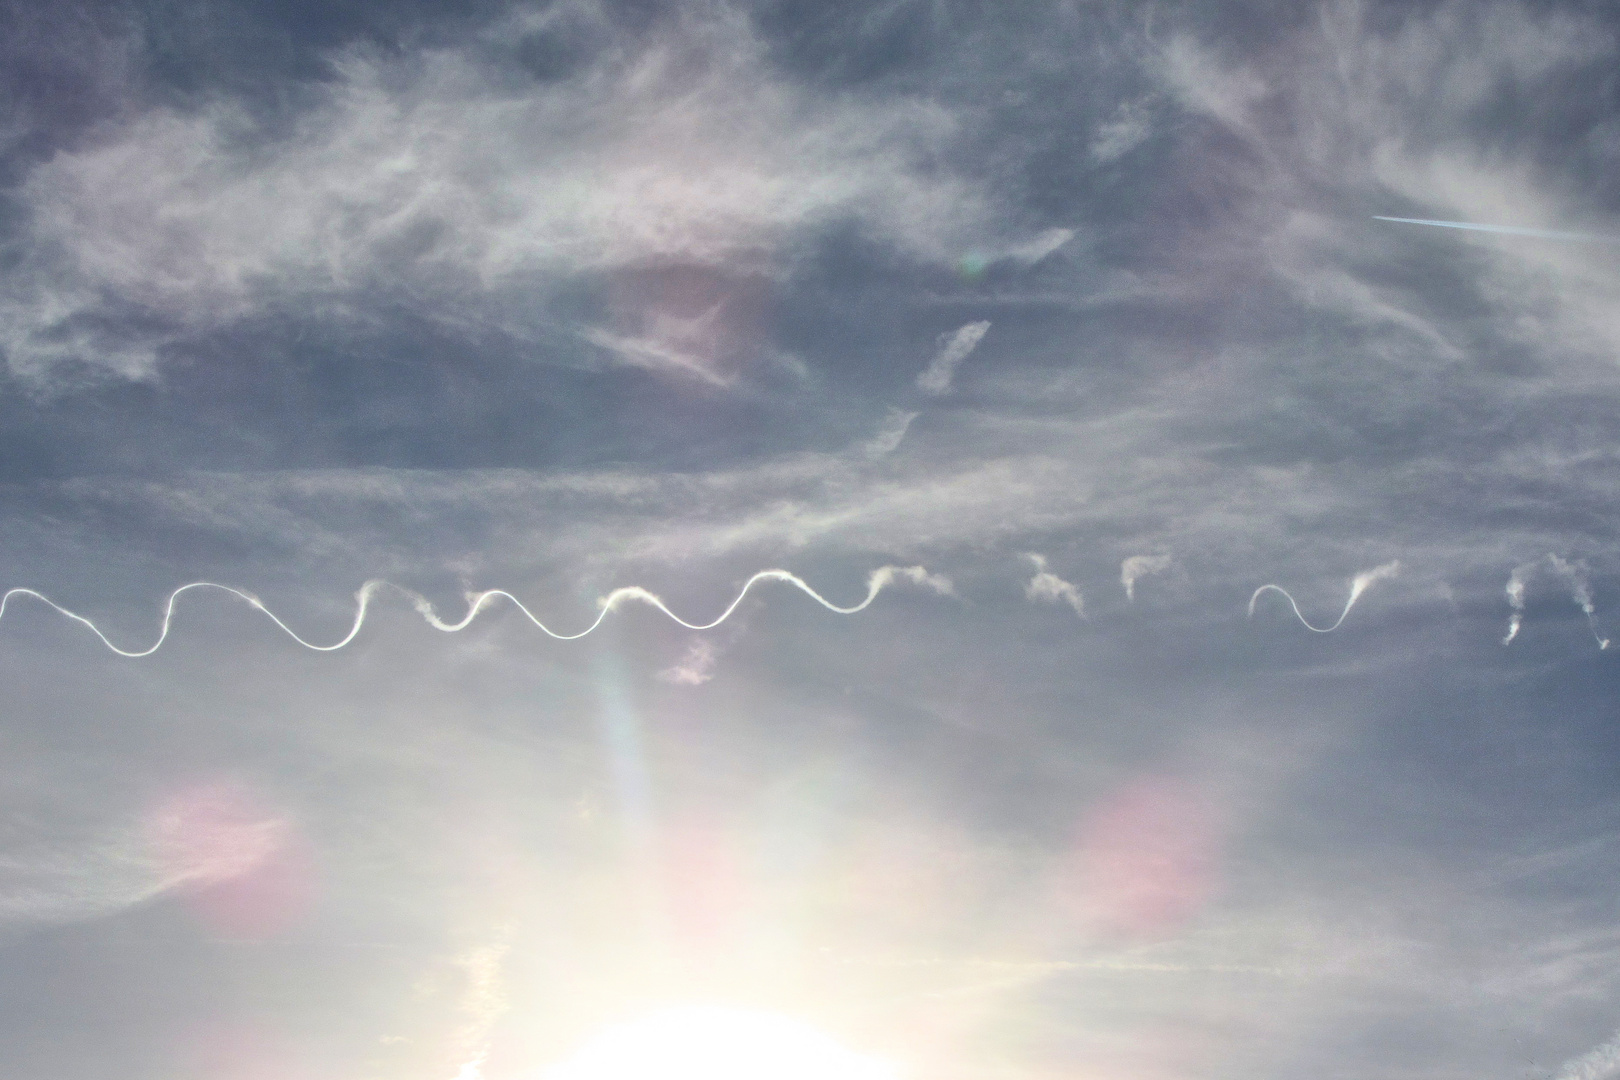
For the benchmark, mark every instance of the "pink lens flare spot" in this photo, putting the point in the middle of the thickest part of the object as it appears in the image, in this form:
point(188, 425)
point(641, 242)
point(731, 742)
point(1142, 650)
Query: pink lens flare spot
point(242, 1051)
point(686, 320)
point(1146, 857)
point(240, 866)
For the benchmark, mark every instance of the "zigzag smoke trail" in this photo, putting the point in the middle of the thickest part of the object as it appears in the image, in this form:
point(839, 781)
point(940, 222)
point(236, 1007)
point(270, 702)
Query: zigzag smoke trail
point(1358, 585)
point(876, 582)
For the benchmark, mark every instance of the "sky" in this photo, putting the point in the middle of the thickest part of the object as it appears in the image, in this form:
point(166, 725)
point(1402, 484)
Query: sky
point(919, 539)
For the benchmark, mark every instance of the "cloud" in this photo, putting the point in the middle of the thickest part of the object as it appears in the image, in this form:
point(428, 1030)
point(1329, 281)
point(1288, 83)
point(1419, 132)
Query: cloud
point(1139, 566)
point(695, 668)
point(483, 1003)
point(654, 354)
point(1205, 83)
point(1600, 1063)
point(74, 883)
point(1040, 247)
point(936, 378)
point(435, 179)
point(1130, 126)
point(1345, 117)
point(199, 837)
point(889, 436)
point(970, 488)
point(1046, 587)
point(883, 576)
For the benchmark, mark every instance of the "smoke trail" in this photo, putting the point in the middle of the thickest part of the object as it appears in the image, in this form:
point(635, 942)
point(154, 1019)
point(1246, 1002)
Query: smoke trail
point(1508, 230)
point(879, 579)
point(1358, 585)
point(1580, 591)
point(1139, 566)
point(1600, 1063)
point(1515, 597)
point(1047, 587)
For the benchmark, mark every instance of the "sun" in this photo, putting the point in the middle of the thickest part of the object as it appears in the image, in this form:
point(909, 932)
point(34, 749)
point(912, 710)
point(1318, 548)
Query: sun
point(712, 1042)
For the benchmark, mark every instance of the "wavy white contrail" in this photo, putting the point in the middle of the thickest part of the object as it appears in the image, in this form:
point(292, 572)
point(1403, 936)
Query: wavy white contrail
point(1508, 230)
point(1358, 585)
point(879, 579)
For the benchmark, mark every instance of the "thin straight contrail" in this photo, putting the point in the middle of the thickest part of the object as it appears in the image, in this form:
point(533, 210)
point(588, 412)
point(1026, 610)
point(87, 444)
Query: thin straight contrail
point(879, 579)
point(1358, 585)
point(1508, 230)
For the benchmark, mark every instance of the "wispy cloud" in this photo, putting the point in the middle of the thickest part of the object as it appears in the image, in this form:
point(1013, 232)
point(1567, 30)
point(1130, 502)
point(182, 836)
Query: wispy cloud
point(936, 377)
point(1041, 246)
point(1600, 1063)
point(1137, 567)
point(430, 178)
point(696, 667)
point(1130, 126)
point(199, 837)
point(1047, 588)
point(655, 354)
point(483, 1003)
point(891, 434)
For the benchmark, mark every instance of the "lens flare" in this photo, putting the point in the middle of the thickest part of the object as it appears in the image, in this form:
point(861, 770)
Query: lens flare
point(711, 1042)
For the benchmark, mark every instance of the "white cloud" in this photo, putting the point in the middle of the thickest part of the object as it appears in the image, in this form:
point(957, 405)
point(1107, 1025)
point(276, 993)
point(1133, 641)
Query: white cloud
point(1139, 566)
point(1384, 120)
point(890, 435)
point(1203, 83)
point(1047, 588)
point(201, 836)
point(1041, 246)
point(1599, 1063)
point(696, 667)
point(1130, 126)
point(656, 354)
point(483, 1003)
point(936, 378)
point(917, 575)
point(431, 176)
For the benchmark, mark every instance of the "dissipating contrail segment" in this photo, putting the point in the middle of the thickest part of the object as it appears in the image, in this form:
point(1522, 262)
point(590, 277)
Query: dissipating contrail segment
point(478, 601)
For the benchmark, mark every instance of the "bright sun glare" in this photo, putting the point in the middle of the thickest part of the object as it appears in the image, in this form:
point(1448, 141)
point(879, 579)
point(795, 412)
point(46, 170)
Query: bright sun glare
point(706, 1042)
